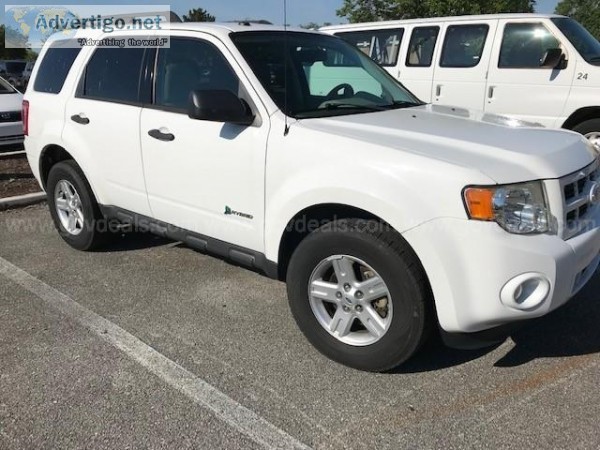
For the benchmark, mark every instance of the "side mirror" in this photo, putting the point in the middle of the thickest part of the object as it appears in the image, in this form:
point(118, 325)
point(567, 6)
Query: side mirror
point(553, 59)
point(219, 106)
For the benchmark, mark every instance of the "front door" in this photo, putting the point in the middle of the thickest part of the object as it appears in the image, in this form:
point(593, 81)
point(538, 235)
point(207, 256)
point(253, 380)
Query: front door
point(206, 177)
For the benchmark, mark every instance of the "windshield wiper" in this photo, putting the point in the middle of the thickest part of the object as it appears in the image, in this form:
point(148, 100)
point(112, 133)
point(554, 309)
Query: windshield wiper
point(334, 106)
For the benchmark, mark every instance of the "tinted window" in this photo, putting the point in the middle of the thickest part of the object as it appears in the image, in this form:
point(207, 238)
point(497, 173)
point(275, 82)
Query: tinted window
point(421, 46)
point(381, 45)
point(525, 44)
point(113, 74)
point(188, 65)
point(5, 87)
point(586, 44)
point(54, 69)
point(464, 45)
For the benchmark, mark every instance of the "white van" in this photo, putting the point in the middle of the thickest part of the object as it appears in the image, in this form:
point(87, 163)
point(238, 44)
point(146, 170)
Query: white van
point(539, 68)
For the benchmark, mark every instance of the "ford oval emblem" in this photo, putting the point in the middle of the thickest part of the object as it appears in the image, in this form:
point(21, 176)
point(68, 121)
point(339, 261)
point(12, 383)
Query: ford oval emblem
point(595, 194)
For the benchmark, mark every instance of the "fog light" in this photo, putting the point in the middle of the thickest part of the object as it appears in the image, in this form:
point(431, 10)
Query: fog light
point(525, 292)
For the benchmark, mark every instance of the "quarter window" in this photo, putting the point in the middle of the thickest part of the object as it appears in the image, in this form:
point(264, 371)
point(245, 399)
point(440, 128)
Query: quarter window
point(113, 74)
point(381, 45)
point(55, 67)
point(421, 46)
point(188, 65)
point(524, 45)
point(464, 45)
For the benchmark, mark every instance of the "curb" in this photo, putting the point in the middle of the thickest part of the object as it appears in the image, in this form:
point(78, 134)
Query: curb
point(22, 200)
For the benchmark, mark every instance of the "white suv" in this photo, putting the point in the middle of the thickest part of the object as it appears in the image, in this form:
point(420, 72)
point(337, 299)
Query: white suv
point(295, 154)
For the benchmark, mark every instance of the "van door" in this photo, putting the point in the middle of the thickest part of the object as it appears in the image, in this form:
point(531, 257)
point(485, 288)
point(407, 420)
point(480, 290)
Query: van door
point(518, 85)
point(460, 75)
point(417, 65)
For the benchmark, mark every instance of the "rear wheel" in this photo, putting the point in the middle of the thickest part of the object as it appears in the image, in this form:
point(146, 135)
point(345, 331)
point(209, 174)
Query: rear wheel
point(591, 130)
point(360, 295)
point(73, 207)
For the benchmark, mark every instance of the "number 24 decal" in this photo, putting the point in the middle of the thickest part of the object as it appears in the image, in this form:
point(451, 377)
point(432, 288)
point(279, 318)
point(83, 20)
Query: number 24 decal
point(582, 76)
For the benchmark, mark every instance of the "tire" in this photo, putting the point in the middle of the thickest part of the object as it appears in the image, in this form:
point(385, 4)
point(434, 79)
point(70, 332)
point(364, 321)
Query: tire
point(591, 130)
point(409, 312)
point(89, 234)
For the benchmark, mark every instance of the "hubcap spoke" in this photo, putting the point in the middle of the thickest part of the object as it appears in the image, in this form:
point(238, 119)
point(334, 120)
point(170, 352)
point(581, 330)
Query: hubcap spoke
point(324, 291)
point(344, 270)
point(373, 289)
point(62, 204)
point(372, 321)
point(341, 323)
point(72, 223)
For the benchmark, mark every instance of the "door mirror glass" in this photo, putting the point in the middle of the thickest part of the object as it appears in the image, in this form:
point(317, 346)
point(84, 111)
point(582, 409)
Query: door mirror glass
point(552, 59)
point(219, 106)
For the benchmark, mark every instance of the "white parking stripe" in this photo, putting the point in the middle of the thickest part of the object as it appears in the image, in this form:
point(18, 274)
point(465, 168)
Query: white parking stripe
point(196, 389)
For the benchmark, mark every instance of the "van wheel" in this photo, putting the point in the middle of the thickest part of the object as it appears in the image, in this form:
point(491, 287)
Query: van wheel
point(73, 207)
point(359, 294)
point(591, 130)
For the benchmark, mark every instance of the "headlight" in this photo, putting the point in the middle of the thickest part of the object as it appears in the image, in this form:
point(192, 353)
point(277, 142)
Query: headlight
point(518, 208)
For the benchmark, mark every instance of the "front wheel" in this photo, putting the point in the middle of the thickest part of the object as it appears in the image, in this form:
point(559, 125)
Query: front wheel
point(360, 295)
point(591, 130)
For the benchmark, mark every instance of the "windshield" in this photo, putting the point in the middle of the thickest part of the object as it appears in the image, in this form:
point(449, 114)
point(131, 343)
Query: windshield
point(324, 75)
point(5, 87)
point(586, 44)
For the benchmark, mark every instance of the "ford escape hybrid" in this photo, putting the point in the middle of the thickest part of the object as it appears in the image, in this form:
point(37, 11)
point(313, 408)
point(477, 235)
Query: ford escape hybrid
point(297, 155)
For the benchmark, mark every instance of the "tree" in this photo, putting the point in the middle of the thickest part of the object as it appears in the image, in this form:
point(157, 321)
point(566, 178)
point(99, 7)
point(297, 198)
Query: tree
point(314, 25)
point(375, 10)
point(198, 15)
point(12, 53)
point(585, 12)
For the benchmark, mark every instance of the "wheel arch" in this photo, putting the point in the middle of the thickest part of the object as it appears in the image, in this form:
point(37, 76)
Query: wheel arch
point(581, 115)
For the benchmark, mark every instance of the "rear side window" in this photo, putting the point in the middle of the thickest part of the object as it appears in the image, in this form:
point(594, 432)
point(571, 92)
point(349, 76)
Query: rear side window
point(54, 68)
point(113, 74)
point(524, 45)
point(381, 45)
point(464, 45)
point(421, 46)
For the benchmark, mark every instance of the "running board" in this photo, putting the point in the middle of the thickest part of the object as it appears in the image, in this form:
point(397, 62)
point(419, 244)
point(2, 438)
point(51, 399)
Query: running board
point(204, 244)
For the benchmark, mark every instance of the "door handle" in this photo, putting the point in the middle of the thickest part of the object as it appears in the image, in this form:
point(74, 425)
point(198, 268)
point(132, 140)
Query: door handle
point(491, 91)
point(161, 136)
point(80, 119)
point(438, 90)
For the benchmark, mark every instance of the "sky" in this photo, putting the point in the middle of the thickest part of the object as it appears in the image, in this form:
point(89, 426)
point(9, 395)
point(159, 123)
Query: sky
point(299, 11)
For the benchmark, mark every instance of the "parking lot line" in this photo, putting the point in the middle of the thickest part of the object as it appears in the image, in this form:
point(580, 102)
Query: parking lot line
point(196, 389)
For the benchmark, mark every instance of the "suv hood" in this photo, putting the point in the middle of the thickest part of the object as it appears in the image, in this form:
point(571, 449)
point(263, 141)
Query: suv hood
point(504, 149)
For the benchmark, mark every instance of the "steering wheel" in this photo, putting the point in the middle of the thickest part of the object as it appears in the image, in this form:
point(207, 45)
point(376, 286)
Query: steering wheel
point(335, 92)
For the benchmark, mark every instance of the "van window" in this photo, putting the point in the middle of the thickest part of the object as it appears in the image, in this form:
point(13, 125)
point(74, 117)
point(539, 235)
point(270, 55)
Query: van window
point(421, 46)
point(464, 45)
point(113, 74)
point(54, 68)
point(381, 45)
point(191, 64)
point(524, 45)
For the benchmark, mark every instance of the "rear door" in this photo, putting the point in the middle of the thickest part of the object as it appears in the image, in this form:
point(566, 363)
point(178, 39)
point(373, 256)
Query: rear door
point(417, 63)
point(460, 74)
point(102, 120)
point(517, 85)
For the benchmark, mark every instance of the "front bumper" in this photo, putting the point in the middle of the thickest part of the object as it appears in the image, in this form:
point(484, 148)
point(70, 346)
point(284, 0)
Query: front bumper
point(470, 265)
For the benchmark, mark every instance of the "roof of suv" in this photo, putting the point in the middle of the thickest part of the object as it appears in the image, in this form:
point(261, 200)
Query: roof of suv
point(441, 19)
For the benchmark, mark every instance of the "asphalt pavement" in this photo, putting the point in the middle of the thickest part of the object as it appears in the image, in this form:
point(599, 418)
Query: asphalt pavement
point(153, 345)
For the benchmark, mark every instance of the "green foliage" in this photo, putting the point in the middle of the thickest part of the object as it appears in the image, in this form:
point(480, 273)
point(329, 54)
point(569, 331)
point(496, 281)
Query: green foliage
point(314, 25)
point(586, 12)
point(375, 10)
point(198, 15)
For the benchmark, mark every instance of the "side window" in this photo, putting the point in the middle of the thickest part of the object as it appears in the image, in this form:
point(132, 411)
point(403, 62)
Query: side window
point(54, 68)
point(191, 64)
point(113, 74)
point(524, 45)
point(381, 45)
point(464, 45)
point(421, 46)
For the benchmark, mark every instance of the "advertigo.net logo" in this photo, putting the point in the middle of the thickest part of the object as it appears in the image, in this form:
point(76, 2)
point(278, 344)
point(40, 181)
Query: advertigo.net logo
point(30, 26)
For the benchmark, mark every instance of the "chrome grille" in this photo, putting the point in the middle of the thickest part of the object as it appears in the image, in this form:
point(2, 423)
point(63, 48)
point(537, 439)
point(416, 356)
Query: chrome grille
point(576, 189)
